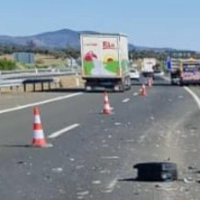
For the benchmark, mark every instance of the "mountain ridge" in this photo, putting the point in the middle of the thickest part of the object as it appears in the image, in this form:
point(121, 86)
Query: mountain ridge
point(54, 39)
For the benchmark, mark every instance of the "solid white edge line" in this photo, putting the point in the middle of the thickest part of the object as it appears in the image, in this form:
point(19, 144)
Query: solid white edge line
point(64, 130)
point(39, 103)
point(195, 97)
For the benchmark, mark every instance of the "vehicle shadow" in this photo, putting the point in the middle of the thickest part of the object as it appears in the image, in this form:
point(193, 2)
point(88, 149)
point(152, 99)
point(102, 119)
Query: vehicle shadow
point(156, 84)
point(64, 90)
point(146, 181)
point(15, 146)
point(73, 90)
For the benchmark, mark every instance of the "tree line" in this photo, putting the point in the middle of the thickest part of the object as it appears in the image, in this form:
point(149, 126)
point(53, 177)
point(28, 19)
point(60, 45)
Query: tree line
point(163, 54)
point(67, 52)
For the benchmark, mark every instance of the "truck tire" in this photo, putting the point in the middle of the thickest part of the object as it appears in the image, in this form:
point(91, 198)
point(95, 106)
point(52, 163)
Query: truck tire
point(121, 87)
point(128, 86)
point(172, 82)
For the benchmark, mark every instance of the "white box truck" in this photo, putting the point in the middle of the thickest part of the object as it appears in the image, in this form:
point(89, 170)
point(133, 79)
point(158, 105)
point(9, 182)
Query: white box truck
point(105, 63)
point(148, 65)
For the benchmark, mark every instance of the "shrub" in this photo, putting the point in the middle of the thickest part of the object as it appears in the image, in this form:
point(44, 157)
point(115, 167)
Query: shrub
point(7, 64)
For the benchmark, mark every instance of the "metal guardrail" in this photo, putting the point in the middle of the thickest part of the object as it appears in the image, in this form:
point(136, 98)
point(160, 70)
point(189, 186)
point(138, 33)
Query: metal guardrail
point(33, 76)
point(35, 71)
point(19, 74)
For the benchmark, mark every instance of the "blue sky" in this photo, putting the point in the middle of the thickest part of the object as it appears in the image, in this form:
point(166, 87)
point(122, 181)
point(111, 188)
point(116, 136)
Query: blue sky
point(155, 23)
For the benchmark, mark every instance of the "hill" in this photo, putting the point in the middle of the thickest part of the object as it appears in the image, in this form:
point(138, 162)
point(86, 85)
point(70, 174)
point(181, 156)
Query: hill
point(57, 40)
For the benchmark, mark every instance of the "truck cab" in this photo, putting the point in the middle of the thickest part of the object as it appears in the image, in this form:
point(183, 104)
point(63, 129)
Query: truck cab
point(190, 72)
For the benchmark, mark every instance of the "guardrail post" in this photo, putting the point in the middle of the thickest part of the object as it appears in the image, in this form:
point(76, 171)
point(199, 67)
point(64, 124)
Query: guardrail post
point(42, 83)
point(49, 85)
point(77, 80)
point(24, 87)
point(34, 88)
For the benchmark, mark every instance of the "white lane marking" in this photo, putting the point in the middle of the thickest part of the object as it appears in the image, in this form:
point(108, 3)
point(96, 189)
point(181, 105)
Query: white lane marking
point(111, 186)
point(39, 103)
point(109, 157)
point(126, 100)
point(59, 133)
point(196, 98)
point(135, 94)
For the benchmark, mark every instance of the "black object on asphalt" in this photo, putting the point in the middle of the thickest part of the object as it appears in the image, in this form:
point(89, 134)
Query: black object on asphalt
point(157, 171)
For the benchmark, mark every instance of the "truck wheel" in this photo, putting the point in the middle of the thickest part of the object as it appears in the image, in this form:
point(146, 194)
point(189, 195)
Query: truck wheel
point(173, 83)
point(121, 88)
point(128, 86)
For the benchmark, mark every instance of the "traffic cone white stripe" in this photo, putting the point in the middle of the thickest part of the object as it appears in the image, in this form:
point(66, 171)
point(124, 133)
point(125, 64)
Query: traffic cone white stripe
point(39, 134)
point(37, 119)
point(106, 98)
point(107, 107)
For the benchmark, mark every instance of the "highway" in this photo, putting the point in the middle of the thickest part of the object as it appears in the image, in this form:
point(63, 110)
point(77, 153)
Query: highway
point(94, 157)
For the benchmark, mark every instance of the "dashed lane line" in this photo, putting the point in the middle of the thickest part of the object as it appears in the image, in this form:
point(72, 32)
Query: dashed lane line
point(60, 132)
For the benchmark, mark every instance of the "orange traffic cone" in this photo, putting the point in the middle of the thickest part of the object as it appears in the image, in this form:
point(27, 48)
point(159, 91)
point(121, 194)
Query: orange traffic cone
point(143, 91)
point(38, 134)
point(106, 107)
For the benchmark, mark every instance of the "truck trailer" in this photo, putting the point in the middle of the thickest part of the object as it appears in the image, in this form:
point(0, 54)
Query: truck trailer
point(105, 63)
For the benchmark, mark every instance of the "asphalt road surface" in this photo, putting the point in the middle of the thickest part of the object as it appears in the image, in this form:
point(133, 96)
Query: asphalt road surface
point(94, 160)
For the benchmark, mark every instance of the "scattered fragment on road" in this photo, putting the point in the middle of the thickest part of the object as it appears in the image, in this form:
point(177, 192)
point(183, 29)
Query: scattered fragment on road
point(180, 97)
point(152, 118)
point(188, 180)
point(97, 182)
point(57, 170)
point(84, 193)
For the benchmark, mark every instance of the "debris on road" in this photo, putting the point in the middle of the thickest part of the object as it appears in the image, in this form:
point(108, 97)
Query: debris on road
point(152, 118)
point(21, 163)
point(188, 180)
point(97, 182)
point(156, 171)
point(118, 123)
point(84, 193)
point(57, 170)
point(180, 97)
